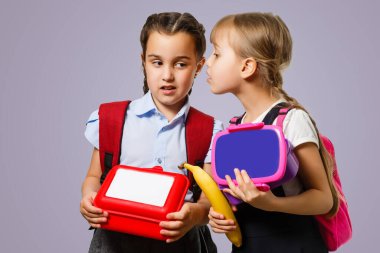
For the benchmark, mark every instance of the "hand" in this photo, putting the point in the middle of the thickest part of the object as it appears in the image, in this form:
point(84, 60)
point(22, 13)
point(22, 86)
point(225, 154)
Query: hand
point(218, 222)
point(248, 192)
point(178, 224)
point(94, 216)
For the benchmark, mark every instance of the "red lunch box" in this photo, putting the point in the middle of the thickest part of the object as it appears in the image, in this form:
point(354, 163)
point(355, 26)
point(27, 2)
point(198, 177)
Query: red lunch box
point(138, 199)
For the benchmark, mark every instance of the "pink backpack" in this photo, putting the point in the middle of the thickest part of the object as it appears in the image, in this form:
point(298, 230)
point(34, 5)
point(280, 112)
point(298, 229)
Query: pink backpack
point(336, 230)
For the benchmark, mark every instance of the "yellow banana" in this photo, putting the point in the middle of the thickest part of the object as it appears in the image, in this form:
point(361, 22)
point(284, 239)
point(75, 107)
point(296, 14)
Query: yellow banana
point(217, 200)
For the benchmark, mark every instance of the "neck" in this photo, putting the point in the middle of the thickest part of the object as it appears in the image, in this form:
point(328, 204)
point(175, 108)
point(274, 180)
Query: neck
point(256, 99)
point(170, 111)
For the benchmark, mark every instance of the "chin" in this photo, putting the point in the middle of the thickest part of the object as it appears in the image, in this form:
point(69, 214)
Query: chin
point(217, 92)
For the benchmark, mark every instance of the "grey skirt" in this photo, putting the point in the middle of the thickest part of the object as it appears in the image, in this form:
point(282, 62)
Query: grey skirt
point(106, 241)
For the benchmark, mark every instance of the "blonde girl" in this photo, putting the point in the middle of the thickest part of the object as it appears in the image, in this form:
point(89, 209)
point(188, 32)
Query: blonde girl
point(250, 51)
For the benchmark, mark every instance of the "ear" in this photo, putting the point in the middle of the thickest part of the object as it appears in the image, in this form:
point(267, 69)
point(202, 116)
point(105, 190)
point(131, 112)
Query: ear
point(142, 59)
point(200, 65)
point(248, 68)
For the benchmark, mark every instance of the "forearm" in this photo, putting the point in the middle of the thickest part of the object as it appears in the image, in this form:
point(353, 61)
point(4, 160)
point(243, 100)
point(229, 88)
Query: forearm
point(90, 184)
point(200, 210)
point(310, 202)
point(92, 181)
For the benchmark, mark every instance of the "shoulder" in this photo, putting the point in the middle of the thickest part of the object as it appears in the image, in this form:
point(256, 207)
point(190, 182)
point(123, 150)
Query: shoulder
point(297, 115)
point(114, 105)
point(94, 116)
point(92, 129)
point(299, 128)
point(198, 115)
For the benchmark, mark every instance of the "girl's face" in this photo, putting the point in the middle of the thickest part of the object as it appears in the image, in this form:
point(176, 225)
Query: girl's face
point(170, 65)
point(223, 66)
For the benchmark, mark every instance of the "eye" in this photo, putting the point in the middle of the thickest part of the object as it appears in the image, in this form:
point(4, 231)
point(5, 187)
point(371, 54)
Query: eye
point(180, 65)
point(157, 63)
point(215, 53)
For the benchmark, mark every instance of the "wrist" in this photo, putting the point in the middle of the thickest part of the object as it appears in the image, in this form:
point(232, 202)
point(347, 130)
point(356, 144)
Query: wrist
point(198, 213)
point(275, 204)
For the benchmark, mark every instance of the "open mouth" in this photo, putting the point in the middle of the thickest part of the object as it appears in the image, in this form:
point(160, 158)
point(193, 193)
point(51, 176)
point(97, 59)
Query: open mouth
point(167, 88)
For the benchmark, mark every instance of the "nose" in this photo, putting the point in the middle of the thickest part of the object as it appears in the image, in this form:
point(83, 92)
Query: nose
point(167, 74)
point(208, 61)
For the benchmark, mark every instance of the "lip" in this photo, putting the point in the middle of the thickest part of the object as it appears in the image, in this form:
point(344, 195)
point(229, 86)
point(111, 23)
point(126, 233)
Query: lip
point(168, 89)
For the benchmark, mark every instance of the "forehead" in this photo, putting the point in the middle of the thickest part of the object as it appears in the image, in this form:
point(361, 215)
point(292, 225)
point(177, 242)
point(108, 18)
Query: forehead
point(171, 46)
point(222, 37)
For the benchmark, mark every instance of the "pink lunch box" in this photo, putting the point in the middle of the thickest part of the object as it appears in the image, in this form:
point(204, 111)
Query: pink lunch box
point(261, 150)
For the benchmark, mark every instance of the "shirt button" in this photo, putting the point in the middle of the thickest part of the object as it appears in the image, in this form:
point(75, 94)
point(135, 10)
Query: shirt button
point(159, 160)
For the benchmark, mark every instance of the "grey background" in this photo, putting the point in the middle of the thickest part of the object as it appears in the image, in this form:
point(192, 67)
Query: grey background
point(60, 59)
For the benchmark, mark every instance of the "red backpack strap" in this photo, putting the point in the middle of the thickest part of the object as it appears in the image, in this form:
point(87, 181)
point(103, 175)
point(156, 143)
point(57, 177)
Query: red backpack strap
point(198, 132)
point(199, 128)
point(111, 124)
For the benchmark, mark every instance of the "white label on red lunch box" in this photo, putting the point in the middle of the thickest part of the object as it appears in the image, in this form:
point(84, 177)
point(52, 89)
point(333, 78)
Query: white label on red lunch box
point(146, 188)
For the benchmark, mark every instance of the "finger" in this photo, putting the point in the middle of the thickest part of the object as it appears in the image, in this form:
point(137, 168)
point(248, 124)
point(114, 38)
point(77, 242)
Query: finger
point(246, 177)
point(170, 233)
point(221, 223)
point(175, 216)
point(231, 192)
point(219, 230)
point(238, 177)
point(234, 208)
point(173, 239)
point(230, 183)
point(91, 208)
point(224, 229)
point(215, 215)
point(171, 225)
point(95, 220)
point(236, 192)
point(216, 230)
point(94, 215)
point(93, 225)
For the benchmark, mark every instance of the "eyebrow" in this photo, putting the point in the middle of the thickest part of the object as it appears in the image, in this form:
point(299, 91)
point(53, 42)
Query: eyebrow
point(176, 58)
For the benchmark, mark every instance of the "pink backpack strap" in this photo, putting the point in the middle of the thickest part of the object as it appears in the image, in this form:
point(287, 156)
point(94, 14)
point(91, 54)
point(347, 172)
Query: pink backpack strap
point(281, 116)
point(236, 120)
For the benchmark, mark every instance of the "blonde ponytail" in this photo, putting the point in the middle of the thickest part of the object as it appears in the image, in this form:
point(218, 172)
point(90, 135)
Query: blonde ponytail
point(327, 160)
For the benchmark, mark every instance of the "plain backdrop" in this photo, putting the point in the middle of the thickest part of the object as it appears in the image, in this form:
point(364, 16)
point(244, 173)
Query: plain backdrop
point(60, 59)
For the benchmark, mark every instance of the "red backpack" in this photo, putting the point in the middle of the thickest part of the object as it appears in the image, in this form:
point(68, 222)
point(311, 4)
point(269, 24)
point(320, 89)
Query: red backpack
point(198, 134)
point(336, 230)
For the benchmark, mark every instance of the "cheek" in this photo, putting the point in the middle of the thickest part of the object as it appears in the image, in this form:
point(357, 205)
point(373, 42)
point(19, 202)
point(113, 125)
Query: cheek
point(186, 76)
point(151, 73)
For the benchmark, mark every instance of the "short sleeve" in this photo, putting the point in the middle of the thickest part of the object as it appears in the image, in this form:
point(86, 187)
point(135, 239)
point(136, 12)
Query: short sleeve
point(218, 126)
point(299, 129)
point(92, 129)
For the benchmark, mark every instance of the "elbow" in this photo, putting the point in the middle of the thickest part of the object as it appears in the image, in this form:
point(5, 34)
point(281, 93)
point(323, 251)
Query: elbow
point(328, 202)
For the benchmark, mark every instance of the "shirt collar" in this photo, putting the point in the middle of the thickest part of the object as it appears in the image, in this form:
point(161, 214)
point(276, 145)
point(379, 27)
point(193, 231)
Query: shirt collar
point(145, 105)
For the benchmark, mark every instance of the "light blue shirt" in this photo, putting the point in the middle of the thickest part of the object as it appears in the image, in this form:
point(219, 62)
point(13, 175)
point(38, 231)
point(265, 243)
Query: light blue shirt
point(149, 139)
